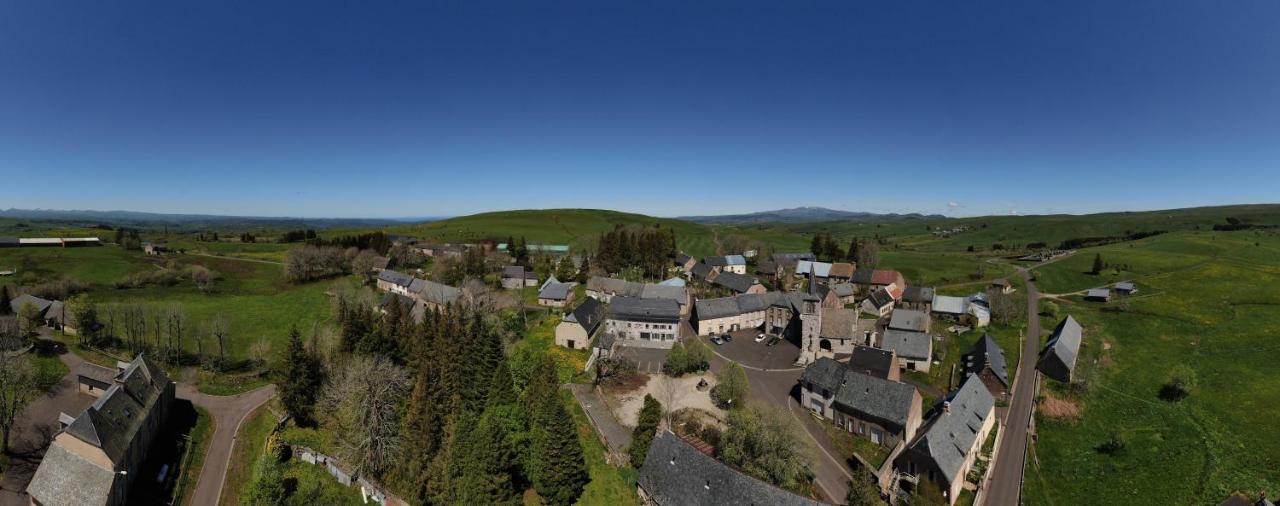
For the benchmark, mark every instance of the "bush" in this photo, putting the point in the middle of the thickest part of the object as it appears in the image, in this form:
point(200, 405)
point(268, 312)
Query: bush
point(1116, 442)
point(684, 359)
point(1181, 382)
point(731, 387)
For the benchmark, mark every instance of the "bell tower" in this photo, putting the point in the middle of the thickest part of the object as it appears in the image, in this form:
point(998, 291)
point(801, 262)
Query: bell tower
point(810, 323)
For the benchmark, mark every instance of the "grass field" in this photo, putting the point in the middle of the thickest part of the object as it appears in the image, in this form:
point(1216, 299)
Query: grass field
point(574, 227)
point(1208, 301)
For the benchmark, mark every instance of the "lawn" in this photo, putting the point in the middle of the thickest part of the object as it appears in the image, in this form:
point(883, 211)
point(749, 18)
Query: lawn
point(1220, 318)
point(848, 444)
point(250, 441)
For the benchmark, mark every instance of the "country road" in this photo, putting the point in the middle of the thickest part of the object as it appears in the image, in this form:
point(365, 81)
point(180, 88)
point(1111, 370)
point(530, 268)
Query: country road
point(1006, 477)
point(254, 260)
point(228, 413)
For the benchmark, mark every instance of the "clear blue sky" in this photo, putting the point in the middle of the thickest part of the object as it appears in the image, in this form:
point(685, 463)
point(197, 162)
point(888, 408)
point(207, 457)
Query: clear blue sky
point(669, 108)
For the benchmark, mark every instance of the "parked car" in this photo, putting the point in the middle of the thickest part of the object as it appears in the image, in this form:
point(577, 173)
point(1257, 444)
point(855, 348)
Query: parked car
point(759, 337)
point(727, 338)
point(716, 340)
point(774, 341)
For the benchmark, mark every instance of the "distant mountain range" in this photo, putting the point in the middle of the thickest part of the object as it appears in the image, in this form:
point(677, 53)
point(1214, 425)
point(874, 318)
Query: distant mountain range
point(807, 214)
point(142, 219)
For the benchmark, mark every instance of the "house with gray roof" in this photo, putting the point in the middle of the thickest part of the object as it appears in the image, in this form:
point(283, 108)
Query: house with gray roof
point(879, 303)
point(819, 269)
point(908, 319)
point(727, 314)
point(1058, 358)
point(883, 411)
point(947, 446)
point(874, 362)
point(729, 263)
point(738, 283)
point(919, 298)
point(394, 281)
point(675, 473)
point(1126, 288)
point(846, 292)
point(578, 327)
point(605, 289)
point(516, 277)
point(647, 323)
point(987, 362)
point(97, 456)
point(914, 349)
point(553, 293)
point(1098, 295)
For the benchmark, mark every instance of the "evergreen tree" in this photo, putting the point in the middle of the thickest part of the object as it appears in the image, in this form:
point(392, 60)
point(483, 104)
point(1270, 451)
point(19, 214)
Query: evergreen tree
point(815, 245)
point(484, 467)
point(643, 434)
point(1098, 265)
point(301, 380)
point(5, 300)
point(559, 469)
point(585, 271)
point(852, 254)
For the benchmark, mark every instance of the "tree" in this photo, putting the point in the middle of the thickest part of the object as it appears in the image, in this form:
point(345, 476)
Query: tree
point(863, 491)
point(484, 466)
point(642, 436)
point(731, 386)
point(1098, 265)
point(1006, 308)
point(557, 466)
point(202, 277)
point(362, 405)
point(302, 380)
point(766, 443)
point(686, 358)
point(852, 254)
point(5, 301)
point(868, 254)
point(219, 329)
point(268, 487)
point(83, 316)
point(18, 385)
point(1181, 382)
point(565, 271)
point(28, 319)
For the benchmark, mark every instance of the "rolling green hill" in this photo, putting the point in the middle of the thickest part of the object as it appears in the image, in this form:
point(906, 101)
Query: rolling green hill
point(575, 227)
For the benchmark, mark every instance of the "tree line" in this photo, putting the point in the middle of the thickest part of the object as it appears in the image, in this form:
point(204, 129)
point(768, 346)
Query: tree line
point(862, 252)
point(647, 249)
point(436, 410)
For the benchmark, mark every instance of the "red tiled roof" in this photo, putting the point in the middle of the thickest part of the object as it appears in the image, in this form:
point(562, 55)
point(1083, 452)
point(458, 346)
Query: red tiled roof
point(883, 277)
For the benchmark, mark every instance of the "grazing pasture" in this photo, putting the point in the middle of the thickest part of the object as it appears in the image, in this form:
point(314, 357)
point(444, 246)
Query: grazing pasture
point(1208, 303)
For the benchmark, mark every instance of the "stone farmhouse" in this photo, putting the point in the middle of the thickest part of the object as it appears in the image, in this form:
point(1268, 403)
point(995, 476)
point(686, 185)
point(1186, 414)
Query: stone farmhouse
point(643, 322)
point(579, 327)
point(883, 411)
point(97, 456)
point(947, 446)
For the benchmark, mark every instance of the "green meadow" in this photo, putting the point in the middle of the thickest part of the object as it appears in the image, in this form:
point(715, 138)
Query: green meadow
point(1208, 301)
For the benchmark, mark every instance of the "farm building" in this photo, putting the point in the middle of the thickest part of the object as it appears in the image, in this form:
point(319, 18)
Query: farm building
point(1126, 288)
point(727, 314)
point(553, 293)
point(1098, 295)
point(1002, 285)
point(1058, 358)
point(919, 298)
point(516, 277)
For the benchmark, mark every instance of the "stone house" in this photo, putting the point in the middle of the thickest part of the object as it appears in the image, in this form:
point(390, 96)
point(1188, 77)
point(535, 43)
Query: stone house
point(650, 323)
point(579, 327)
point(883, 411)
point(947, 446)
point(913, 349)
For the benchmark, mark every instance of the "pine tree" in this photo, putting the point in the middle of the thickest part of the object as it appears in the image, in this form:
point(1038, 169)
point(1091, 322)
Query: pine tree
point(556, 465)
point(484, 466)
point(1098, 265)
point(5, 300)
point(852, 254)
point(815, 246)
point(301, 380)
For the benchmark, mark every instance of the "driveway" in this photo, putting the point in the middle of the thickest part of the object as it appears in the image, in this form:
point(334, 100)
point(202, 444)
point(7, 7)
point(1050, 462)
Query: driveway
point(36, 426)
point(228, 413)
point(616, 435)
point(1006, 476)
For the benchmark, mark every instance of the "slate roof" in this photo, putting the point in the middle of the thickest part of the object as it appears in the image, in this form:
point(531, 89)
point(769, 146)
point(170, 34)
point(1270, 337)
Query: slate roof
point(986, 353)
point(945, 304)
point(67, 479)
point(619, 287)
point(737, 282)
point(701, 271)
point(839, 323)
point(918, 294)
point(395, 278)
point(950, 436)
point(637, 309)
point(679, 294)
point(819, 269)
point(99, 373)
point(824, 373)
point(909, 319)
point(880, 298)
point(513, 272)
point(844, 289)
point(727, 260)
point(682, 259)
point(790, 259)
point(863, 276)
point(437, 293)
point(873, 361)
point(907, 344)
point(1125, 286)
point(555, 291)
point(767, 267)
point(16, 303)
point(588, 315)
point(1063, 344)
point(710, 309)
point(673, 282)
point(841, 270)
point(676, 473)
point(868, 397)
point(1098, 293)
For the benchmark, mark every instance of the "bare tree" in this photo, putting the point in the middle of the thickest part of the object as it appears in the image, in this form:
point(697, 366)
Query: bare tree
point(18, 385)
point(177, 322)
point(670, 394)
point(362, 400)
point(219, 328)
point(364, 262)
point(259, 351)
point(202, 277)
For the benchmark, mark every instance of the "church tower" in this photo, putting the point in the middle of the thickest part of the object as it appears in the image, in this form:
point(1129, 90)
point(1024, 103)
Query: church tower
point(810, 323)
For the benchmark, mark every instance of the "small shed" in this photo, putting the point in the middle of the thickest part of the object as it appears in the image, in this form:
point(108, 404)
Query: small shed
point(1098, 295)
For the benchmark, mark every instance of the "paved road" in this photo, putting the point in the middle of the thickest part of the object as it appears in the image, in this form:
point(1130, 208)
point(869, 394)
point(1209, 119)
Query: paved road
point(1006, 477)
point(616, 435)
point(228, 413)
point(36, 426)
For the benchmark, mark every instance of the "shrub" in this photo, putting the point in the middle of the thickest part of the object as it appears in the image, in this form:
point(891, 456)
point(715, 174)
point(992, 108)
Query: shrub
point(1181, 382)
point(1115, 443)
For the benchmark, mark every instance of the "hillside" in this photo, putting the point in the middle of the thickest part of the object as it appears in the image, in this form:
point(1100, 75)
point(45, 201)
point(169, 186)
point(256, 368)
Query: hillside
point(51, 218)
point(806, 215)
point(575, 227)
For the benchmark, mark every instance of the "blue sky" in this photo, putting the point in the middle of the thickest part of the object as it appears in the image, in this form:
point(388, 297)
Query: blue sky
point(375, 109)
